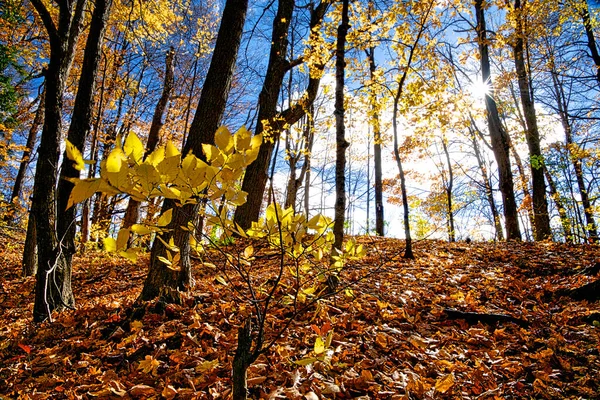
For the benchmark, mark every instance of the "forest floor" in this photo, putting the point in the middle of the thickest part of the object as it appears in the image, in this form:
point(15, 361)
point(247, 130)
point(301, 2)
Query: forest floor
point(400, 335)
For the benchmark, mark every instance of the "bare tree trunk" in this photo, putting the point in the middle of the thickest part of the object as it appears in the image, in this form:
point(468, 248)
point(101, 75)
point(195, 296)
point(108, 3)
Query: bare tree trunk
point(81, 120)
point(527, 204)
point(53, 290)
point(498, 135)
point(540, 204)
point(379, 216)
point(340, 138)
point(449, 187)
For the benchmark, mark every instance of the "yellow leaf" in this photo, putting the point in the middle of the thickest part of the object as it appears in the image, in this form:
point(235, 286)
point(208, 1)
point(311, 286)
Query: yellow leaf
point(171, 150)
point(223, 140)
point(248, 251)
point(156, 156)
point(211, 152)
point(136, 325)
point(242, 139)
point(83, 190)
point(74, 154)
point(115, 160)
point(140, 229)
point(149, 365)
point(130, 254)
point(206, 366)
point(110, 244)
point(319, 345)
point(122, 238)
point(134, 148)
point(165, 218)
point(221, 280)
point(306, 361)
point(443, 384)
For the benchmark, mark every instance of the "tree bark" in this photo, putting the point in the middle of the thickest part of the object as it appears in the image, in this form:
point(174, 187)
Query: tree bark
point(449, 186)
point(79, 128)
point(242, 360)
point(340, 131)
point(499, 137)
point(53, 289)
point(379, 215)
point(255, 179)
point(30, 249)
point(564, 218)
point(162, 280)
point(542, 229)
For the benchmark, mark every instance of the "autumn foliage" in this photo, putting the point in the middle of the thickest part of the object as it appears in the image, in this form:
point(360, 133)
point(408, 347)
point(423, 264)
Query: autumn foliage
point(390, 339)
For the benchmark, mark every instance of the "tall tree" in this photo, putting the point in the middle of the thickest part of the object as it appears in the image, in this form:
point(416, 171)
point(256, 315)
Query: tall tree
point(379, 216)
point(499, 137)
point(540, 204)
point(161, 279)
point(269, 121)
point(79, 128)
point(340, 130)
point(53, 290)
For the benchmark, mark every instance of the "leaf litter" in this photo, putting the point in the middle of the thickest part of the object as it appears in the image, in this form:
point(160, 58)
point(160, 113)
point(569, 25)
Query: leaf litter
point(391, 337)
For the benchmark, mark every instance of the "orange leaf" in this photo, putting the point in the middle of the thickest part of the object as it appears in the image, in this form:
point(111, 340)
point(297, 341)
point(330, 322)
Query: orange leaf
point(25, 348)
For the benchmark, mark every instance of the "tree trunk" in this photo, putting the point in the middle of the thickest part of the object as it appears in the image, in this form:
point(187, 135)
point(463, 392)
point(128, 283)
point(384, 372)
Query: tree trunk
point(540, 204)
point(294, 182)
point(31, 139)
point(499, 137)
point(340, 131)
point(487, 186)
point(241, 361)
point(449, 187)
point(527, 204)
point(30, 249)
point(81, 121)
point(255, 178)
point(211, 106)
point(133, 206)
point(564, 219)
point(379, 216)
point(53, 278)
point(408, 253)
point(591, 40)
